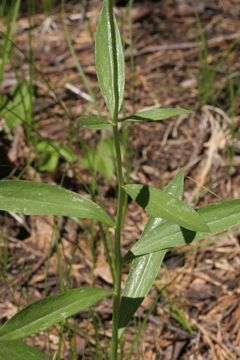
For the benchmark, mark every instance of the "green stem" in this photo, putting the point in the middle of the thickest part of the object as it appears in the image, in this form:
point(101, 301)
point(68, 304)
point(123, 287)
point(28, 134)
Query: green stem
point(6, 47)
point(120, 199)
point(118, 257)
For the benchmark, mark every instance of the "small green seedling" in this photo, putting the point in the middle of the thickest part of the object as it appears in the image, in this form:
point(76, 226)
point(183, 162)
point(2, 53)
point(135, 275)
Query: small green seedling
point(49, 154)
point(171, 221)
point(18, 107)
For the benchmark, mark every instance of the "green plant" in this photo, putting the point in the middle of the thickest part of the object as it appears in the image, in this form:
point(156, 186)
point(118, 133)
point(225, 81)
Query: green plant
point(49, 154)
point(171, 221)
point(176, 313)
point(101, 158)
point(6, 46)
point(18, 107)
point(47, 6)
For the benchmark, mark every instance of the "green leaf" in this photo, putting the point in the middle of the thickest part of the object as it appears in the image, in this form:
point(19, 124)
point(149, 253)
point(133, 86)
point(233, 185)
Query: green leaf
point(46, 146)
point(157, 203)
point(93, 122)
point(49, 162)
point(104, 161)
point(17, 350)
point(67, 153)
point(47, 312)
point(52, 147)
point(89, 156)
point(144, 269)
point(31, 198)
point(174, 188)
point(19, 107)
point(50, 152)
point(219, 217)
point(157, 114)
point(101, 159)
point(104, 59)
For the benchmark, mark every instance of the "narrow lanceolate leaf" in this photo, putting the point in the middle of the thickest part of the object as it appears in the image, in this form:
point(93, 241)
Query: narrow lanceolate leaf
point(93, 122)
point(47, 312)
point(105, 60)
point(31, 198)
point(219, 217)
point(144, 269)
point(158, 203)
point(157, 114)
point(17, 350)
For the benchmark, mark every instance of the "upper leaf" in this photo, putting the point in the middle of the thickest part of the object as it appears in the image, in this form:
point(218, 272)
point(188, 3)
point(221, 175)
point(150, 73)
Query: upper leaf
point(157, 114)
point(47, 312)
point(219, 217)
point(104, 59)
point(157, 203)
point(17, 350)
point(93, 122)
point(174, 188)
point(31, 198)
point(144, 269)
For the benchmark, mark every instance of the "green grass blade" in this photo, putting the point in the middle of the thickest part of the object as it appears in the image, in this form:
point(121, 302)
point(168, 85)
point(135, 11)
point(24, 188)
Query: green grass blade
point(13, 13)
point(31, 198)
point(105, 62)
point(47, 312)
point(93, 122)
point(144, 269)
point(219, 217)
point(157, 203)
point(17, 350)
point(47, 6)
point(76, 60)
point(157, 114)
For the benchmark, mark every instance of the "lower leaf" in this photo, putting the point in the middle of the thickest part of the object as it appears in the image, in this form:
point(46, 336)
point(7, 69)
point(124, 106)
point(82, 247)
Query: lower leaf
point(17, 350)
point(144, 269)
point(47, 312)
point(219, 217)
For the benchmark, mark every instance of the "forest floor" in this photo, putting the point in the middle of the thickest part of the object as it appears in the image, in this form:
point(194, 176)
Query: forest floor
point(182, 55)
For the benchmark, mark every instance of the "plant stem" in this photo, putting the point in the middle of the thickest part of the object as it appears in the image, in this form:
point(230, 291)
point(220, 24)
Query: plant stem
point(120, 198)
point(118, 258)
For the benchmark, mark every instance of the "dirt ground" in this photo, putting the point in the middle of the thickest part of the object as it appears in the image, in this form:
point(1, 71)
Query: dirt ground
point(193, 311)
